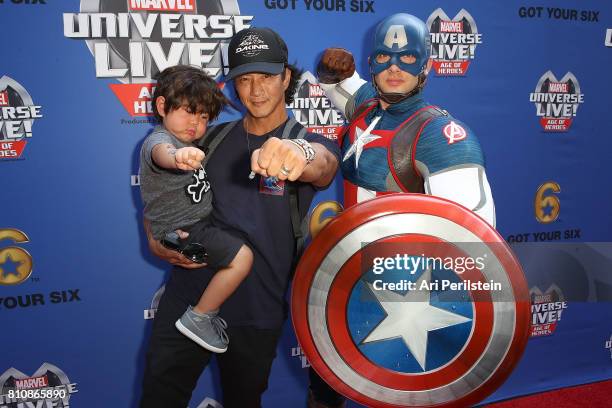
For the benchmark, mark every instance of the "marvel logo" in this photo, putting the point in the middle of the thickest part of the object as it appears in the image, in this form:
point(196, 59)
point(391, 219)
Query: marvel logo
point(315, 90)
point(542, 298)
point(4, 98)
point(558, 87)
point(451, 26)
point(162, 5)
point(30, 383)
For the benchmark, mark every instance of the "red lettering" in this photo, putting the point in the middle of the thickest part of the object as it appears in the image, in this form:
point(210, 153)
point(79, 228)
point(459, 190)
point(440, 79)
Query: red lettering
point(162, 5)
point(315, 91)
point(34, 382)
point(451, 27)
point(558, 87)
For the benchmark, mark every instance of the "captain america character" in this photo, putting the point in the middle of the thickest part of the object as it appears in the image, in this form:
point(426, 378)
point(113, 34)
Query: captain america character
point(395, 140)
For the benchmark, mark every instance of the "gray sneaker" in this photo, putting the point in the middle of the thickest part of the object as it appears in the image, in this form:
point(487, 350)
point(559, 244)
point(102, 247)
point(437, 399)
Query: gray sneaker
point(208, 330)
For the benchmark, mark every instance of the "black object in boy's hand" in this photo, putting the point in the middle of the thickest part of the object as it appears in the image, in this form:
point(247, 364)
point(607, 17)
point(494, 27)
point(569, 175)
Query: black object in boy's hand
point(191, 250)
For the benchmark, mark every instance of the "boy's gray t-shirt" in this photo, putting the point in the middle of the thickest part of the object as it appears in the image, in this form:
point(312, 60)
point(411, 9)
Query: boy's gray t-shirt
point(172, 198)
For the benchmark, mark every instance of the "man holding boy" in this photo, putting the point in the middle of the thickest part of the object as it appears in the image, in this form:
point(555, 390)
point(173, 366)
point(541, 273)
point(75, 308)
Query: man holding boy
point(250, 174)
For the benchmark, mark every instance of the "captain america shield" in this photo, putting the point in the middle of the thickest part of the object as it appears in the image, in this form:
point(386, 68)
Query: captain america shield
point(411, 300)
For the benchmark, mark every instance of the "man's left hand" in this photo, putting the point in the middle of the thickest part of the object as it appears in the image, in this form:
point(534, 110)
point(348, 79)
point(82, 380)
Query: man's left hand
point(279, 158)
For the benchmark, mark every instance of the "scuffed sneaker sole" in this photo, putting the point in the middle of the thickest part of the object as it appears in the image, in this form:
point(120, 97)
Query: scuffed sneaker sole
point(197, 339)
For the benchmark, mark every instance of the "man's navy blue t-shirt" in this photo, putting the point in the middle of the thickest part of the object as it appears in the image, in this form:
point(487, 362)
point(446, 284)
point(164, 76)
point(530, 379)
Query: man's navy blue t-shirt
point(258, 211)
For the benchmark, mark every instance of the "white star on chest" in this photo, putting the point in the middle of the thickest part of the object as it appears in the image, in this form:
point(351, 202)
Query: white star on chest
point(411, 317)
point(363, 138)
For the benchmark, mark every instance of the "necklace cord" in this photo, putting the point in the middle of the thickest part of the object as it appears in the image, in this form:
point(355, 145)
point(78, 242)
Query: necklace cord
point(247, 134)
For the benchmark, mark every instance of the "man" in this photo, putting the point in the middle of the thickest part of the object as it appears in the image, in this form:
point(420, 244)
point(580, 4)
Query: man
point(396, 142)
point(254, 164)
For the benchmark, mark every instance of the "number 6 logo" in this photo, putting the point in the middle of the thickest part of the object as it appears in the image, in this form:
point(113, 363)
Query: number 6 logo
point(322, 215)
point(15, 262)
point(547, 206)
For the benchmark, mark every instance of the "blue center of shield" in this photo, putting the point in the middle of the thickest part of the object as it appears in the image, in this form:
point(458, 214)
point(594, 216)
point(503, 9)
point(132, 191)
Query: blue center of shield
point(409, 331)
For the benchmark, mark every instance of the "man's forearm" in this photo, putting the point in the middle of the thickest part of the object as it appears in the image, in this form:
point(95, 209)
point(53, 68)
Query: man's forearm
point(321, 171)
point(339, 94)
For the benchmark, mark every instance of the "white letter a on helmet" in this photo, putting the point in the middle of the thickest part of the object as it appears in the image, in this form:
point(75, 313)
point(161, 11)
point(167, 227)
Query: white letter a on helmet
point(396, 35)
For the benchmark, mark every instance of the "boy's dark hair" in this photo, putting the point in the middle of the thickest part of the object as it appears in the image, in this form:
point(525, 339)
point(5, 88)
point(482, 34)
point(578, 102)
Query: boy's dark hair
point(188, 86)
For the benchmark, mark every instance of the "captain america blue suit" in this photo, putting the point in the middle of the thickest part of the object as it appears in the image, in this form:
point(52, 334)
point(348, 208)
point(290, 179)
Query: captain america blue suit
point(367, 165)
point(395, 141)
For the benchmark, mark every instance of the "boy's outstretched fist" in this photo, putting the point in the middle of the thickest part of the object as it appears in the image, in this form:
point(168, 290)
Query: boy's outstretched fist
point(188, 158)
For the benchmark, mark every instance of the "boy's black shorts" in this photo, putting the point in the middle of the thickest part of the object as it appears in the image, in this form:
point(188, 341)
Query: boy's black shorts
point(221, 246)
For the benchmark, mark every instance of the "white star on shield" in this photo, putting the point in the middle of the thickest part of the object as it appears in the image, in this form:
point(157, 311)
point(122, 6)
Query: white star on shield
point(363, 138)
point(411, 317)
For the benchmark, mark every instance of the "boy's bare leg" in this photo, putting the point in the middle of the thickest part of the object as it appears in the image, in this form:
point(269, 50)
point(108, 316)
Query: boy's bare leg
point(225, 282)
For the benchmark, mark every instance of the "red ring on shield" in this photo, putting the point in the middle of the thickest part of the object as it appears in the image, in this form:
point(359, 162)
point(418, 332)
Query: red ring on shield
point(368, 211)
point(338, 300)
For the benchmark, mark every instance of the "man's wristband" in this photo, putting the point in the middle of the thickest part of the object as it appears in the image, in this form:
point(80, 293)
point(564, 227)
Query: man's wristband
point(307, 149)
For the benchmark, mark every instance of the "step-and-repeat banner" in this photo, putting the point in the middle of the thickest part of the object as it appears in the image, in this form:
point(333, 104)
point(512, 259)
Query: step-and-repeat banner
point(78, 286)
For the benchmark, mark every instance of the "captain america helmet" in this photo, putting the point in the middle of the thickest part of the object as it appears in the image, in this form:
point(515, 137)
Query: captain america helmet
point(400, 35)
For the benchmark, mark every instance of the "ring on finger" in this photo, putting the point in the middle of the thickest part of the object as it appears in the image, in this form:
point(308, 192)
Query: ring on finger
point(285, 170)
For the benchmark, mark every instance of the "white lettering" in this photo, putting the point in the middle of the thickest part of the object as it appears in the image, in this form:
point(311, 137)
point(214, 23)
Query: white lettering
point(76, 25)
point(145, 28)
point(137, 60)
point(102, 60)
point(200, 54)
point(396, 35)
point(161, 60)
point(169, 22)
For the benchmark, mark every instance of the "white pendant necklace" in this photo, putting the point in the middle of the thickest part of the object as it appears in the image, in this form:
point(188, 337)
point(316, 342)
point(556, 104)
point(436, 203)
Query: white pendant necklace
point(246, 130)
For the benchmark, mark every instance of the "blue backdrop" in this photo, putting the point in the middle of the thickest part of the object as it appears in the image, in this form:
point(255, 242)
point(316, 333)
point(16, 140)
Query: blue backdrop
point(78, 286)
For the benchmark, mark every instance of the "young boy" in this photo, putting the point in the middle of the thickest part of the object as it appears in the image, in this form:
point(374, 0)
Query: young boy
point(176, 194)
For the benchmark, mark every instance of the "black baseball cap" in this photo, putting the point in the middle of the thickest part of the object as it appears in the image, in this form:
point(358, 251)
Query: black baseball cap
point(256, 50)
